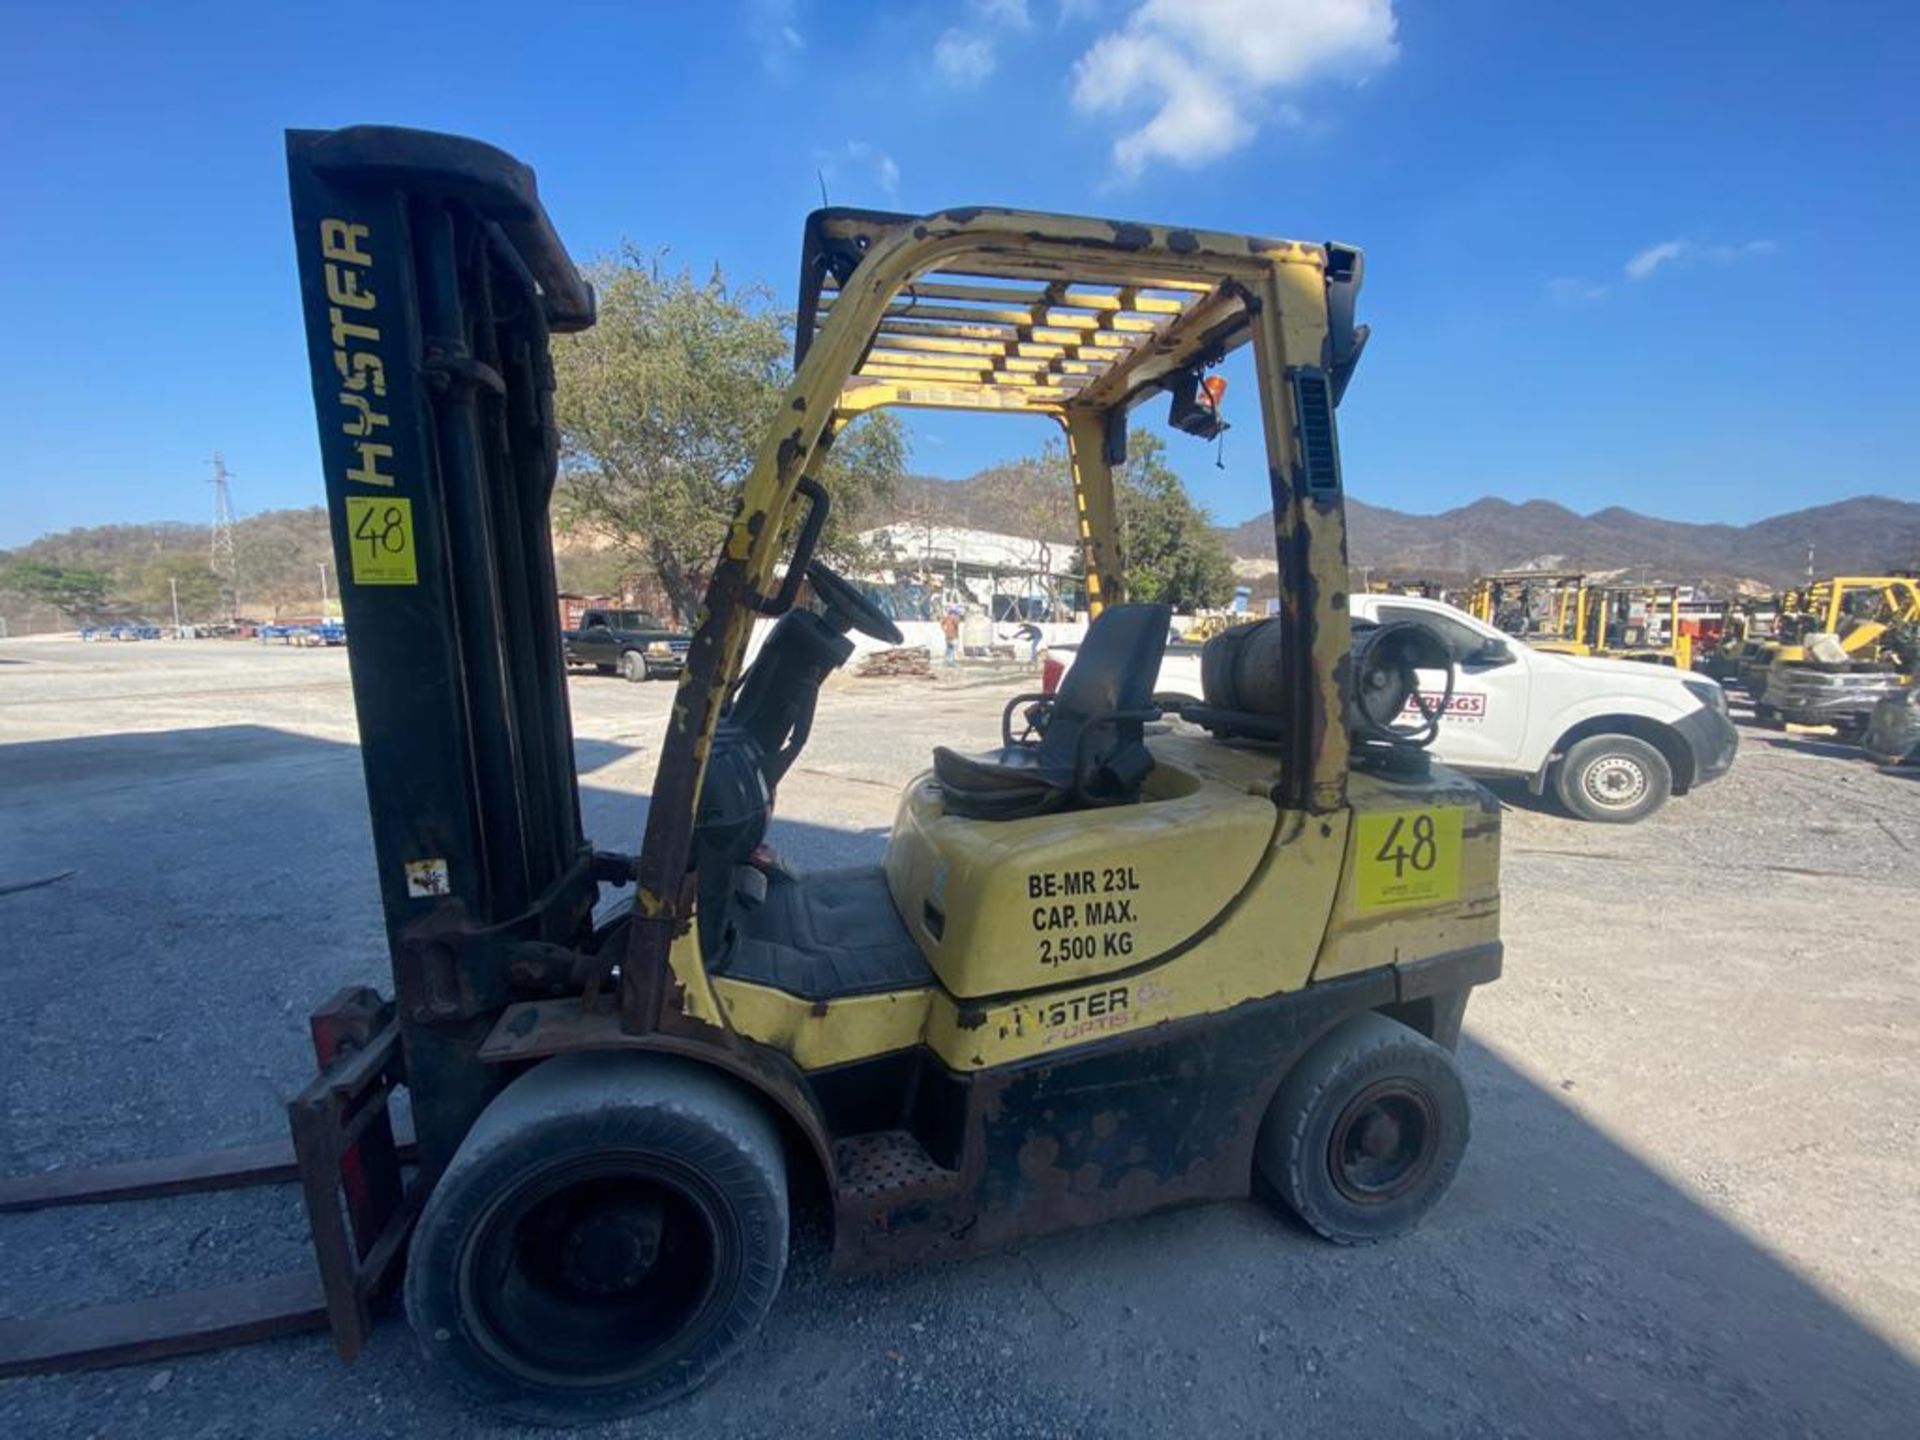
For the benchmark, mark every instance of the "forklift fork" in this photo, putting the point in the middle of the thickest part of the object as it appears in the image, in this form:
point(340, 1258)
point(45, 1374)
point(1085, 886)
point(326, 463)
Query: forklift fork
point(349, 1160)
point(359, 1204)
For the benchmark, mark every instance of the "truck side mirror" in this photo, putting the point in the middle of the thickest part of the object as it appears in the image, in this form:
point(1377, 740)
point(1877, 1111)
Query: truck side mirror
point(1490, 652)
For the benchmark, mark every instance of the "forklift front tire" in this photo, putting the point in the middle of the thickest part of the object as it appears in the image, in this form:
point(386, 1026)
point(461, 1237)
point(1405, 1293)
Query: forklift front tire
point(609, 1233)
point(1367, 1131)
point(633, 666)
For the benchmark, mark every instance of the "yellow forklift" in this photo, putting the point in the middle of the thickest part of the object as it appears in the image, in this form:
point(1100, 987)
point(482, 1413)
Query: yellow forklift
point(1833, 658)
point(1859, 611)
point(1744, 624)
point(1546, 608)
point(1636, 622)
point(1134, 951)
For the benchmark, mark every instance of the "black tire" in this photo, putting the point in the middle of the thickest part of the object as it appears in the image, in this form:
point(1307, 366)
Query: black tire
point(1371, 1085)
point(633, 667)
point(1613, 779)
point(609, 1233)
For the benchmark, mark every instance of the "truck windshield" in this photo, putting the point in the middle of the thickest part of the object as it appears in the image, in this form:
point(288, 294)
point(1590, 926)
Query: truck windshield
point(1460, 638)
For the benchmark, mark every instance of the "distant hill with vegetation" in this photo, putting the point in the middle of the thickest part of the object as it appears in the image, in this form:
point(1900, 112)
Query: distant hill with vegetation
point(280, 552)
point(1863, 535)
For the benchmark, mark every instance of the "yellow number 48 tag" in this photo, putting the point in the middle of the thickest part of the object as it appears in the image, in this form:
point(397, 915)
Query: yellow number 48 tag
point(380, 533)
point(1406, 857)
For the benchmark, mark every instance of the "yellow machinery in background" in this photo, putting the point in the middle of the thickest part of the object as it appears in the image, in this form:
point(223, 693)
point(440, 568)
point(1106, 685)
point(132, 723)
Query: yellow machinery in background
point(1852, 643)
point(1567, 612)
point(1629, 622)
point(1859, 611)
point(1546, 608)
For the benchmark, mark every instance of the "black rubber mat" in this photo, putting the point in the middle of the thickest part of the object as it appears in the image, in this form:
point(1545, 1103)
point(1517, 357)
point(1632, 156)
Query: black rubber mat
point(826, 936)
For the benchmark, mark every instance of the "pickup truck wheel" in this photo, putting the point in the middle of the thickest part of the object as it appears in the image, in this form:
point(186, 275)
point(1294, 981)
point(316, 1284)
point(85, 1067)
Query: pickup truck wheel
point(1613, 779)
point(633, 666)
point(1367, 1131)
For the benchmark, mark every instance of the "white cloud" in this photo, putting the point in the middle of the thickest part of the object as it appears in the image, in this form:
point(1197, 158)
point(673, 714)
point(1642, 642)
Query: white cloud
point(773, 26)
point(1011, 13)
point(860, 165)
point(967, 55)
point(1210, 71)
point(964, 58)
point(1644, 263)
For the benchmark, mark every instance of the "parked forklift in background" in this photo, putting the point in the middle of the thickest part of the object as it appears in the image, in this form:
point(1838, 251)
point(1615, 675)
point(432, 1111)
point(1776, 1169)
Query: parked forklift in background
point(1744, 624)
point(1638, 622)
point(1143, 951)
point(1832, 661)
point(1546, 608)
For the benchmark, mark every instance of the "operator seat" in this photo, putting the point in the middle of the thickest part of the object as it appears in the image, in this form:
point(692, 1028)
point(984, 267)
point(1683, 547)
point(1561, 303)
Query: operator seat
point(1108, 686)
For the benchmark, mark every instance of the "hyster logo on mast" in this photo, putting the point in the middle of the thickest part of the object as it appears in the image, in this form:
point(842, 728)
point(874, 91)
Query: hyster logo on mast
point(380, 527)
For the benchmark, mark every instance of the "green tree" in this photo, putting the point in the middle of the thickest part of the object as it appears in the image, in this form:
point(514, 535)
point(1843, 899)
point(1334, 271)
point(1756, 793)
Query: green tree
point(662, 406)
point(278, 555)
point(1032, 498)
point(1168, 545)
point(198, 588)
point(77, 593)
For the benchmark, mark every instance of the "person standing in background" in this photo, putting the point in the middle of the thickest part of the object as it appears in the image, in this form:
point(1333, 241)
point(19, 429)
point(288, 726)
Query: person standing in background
point(950, 627)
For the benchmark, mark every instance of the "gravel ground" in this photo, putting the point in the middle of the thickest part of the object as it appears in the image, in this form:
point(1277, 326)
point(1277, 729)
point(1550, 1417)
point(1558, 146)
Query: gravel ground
point(1690, 1207)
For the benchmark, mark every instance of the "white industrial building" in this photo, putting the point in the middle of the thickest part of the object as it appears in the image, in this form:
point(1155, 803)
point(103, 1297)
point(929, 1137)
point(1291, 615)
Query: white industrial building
point(918, 571)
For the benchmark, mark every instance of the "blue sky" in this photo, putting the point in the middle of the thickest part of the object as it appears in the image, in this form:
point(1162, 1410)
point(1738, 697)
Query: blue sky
point(1656, 255)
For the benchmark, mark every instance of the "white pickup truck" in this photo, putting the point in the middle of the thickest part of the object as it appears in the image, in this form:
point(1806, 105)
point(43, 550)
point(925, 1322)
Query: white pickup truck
point(1613, 738)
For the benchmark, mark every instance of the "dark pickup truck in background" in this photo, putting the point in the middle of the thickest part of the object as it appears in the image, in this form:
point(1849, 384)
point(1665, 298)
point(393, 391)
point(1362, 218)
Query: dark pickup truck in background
point(629, 643)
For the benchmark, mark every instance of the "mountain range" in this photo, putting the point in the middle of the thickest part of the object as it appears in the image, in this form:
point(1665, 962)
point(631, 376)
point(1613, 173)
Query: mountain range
point(282, 552)
point(1863, 535)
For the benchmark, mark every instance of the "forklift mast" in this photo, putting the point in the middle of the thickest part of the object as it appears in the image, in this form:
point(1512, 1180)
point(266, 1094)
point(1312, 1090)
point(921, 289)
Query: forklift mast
point(431, 279)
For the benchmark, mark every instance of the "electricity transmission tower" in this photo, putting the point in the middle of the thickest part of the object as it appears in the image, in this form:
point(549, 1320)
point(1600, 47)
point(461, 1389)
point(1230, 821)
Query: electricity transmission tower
point(221, 559)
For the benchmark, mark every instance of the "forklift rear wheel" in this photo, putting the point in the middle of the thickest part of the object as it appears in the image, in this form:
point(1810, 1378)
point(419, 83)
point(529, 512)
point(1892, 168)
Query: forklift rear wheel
point(633, 666)
point(610, 1232)
point(1614, 779)
point(1367, 1131)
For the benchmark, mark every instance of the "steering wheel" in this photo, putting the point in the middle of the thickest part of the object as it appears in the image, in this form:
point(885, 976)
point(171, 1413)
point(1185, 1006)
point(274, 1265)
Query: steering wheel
point(841, 597)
